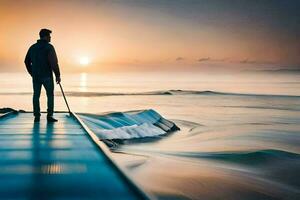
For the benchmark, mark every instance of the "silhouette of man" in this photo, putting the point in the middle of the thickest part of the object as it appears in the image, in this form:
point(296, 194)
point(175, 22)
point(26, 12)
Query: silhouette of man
point(41, 61)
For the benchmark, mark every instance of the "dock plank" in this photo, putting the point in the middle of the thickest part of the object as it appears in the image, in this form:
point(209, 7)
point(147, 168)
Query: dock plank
point(55, 161)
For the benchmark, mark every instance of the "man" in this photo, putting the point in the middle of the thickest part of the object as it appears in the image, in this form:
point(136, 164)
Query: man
point(41, 61)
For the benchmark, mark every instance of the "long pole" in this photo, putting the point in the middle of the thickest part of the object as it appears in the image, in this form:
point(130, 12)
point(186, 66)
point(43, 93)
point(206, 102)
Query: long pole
point(62, 91)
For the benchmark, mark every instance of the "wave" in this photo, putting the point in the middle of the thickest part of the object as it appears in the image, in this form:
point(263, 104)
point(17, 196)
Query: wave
point(163, 92)
point(263, 107)
point(128, 125)
point(247, 158)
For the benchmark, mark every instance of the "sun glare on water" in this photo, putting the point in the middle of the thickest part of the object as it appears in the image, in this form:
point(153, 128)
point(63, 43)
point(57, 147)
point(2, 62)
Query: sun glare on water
point(84, 61)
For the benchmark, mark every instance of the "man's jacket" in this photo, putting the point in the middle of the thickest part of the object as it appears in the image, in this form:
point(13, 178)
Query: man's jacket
point(41, 60)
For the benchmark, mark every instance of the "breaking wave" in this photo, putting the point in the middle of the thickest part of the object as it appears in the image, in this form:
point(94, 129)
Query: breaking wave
point(128, 125)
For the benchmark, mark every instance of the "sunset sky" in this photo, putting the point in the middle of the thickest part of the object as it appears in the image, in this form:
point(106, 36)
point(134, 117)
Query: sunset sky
point(142, 35)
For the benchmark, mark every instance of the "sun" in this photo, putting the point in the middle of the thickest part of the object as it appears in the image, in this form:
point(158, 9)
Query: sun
point(84, 60)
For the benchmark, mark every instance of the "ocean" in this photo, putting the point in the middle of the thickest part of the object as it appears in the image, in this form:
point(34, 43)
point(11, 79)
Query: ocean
point(239, 132)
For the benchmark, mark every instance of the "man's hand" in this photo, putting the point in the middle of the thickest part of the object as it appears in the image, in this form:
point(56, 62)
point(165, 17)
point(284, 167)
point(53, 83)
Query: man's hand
point(58, 80)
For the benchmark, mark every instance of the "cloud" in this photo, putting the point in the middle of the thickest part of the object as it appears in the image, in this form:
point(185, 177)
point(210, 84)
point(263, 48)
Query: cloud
point(247, 61)
point(204, 59)
point(179, 58)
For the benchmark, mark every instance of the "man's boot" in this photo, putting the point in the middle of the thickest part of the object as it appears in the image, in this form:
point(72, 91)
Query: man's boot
point(37, 119)
point(51, 119)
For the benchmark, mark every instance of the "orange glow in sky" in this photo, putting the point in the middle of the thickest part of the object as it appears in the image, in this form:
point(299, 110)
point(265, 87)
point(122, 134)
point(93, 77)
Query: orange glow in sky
point(116, 36)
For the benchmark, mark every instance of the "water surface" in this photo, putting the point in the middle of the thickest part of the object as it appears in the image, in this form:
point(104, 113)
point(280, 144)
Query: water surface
point(239, 136)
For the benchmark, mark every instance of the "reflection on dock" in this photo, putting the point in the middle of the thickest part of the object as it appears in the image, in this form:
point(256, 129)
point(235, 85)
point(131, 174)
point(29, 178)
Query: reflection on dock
point(56, 160)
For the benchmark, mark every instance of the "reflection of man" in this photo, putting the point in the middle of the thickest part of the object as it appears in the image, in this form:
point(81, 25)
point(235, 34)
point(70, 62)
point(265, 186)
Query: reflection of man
point(40, 61)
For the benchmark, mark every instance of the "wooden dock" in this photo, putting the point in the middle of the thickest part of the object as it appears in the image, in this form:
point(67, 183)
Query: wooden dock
point(62, 160)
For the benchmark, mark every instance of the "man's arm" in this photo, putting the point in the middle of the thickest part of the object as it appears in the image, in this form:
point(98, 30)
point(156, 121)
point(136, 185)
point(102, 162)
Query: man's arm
point(53, 61)
point(27, 62)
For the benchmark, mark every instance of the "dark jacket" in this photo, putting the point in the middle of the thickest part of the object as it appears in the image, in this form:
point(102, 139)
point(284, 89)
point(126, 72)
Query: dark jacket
point(41, 60)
